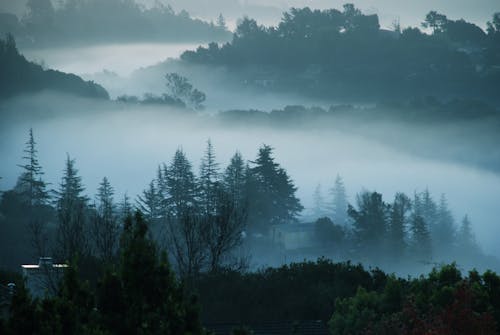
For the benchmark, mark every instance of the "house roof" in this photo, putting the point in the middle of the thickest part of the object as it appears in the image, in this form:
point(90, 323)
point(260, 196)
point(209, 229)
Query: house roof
point(304, 327)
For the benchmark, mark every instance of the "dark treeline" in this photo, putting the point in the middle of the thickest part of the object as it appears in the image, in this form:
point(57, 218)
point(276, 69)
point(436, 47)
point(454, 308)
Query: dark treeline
point(345, 54)
point(93, 21)
point(229, 218)
point(354, 300)
point(205, 224)
point(19, 76)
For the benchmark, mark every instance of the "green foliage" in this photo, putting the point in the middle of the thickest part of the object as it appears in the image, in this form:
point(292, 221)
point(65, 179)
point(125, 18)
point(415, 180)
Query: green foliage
point(298, 291)
point(443, 302)
point(138, 296)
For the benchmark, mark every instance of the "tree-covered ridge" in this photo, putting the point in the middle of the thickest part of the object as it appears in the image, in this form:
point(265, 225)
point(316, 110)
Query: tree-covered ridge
point(346, 54)
point(19, 76)
point(92, 21)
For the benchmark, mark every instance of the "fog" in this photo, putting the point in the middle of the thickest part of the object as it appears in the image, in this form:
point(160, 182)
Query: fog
point(372, 148)
point(126, 143)
point(120, 59)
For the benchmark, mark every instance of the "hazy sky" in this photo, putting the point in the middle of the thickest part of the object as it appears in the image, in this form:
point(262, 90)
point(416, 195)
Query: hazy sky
point(269, 11)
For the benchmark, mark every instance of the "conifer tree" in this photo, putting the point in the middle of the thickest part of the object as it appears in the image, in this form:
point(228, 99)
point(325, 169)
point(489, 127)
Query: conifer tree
point(181, 185)
point(235, 181)
point(318, 202)
point(370, 223)
point(105, 225)
point(71, 205)
point(30, 183)
point(443, 232)
point(339, 202)
point(466, 240)
point(397, 225)
point(209, 181)
point(272, 199)
point(421, 239)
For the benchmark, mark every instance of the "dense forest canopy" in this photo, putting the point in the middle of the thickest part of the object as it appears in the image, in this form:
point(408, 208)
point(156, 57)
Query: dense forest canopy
point(92, 21)
point(345, 53)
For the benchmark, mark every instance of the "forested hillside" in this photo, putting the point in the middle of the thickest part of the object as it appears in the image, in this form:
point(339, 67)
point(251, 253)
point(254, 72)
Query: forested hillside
point(345, 54)
point(19, 76)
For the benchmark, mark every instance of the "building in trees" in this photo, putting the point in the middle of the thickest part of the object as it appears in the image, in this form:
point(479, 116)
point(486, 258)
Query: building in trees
point(43, 279)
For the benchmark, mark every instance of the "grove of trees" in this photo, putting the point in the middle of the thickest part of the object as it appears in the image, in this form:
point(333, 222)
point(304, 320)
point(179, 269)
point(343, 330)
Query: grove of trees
point(345, 54)
point(46, 23)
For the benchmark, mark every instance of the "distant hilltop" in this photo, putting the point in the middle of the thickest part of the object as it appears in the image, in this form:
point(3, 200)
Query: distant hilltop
point(18, 76)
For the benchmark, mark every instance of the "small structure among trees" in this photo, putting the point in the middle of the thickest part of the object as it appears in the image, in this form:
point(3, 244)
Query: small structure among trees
point(43, 279)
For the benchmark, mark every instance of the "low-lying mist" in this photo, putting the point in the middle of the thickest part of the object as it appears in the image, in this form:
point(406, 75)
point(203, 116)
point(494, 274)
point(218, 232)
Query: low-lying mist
point(127, 142)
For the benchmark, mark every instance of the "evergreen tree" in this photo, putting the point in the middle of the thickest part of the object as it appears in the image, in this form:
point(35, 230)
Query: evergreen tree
point(235, 181)
point(426, 207)
point(125, 208)
point(318, 202)
point(272, 197)
point(105, 225)
point(397, 224)
point(370, 223)
point(221, 22)
point(466, 240)
point(421, 239)
point(181, 185)
point(443, 234)
point(209, 181)
point(149, 203)
point(30, 183)
point(33, 194)
point(339, 202)
point(71, 206)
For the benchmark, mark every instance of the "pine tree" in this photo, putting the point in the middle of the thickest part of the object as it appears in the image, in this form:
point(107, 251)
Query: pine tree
point(221, 22)
point(397, 224)
point(105, 225)
point(466, 240)
point(235, 181)
point(209, 181)
point(30, 183)
point(443, 234)
point(181, 185)
point(272, 197)
point(71, 207)
point(426, 207)
point(339, 202)
point(318, 202)
point(370, 223)
point(149, 203)
point(421, 238)
point(125, 208)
